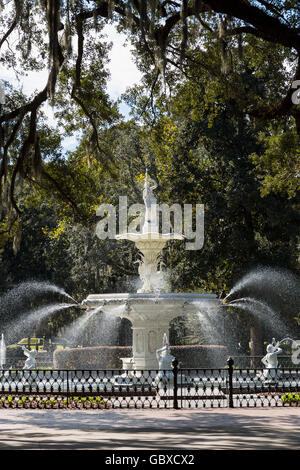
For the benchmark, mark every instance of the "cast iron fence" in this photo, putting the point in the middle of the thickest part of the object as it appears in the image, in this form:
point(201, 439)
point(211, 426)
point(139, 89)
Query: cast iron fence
point(176, 388)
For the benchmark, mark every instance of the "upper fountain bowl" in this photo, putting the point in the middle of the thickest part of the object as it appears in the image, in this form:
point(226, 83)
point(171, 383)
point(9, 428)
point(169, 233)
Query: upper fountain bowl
point(136, 237)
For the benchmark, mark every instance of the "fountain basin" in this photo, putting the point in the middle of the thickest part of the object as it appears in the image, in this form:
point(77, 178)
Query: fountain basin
point(150, 315)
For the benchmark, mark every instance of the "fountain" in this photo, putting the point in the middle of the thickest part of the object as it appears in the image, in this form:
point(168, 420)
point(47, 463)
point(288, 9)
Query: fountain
point(150, 310)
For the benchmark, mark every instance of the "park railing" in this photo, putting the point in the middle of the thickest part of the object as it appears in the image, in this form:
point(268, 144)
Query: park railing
point(177, 388)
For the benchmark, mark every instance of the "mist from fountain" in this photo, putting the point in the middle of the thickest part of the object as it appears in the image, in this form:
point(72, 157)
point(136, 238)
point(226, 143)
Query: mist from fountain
point(263, 312)
point(30, 318)
point(263, 281)
point(269, 295)
point(28, 290)
point(76, 331)
point(212, 327)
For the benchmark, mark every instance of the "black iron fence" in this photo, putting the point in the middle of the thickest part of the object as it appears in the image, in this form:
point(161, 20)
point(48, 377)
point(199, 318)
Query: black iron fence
point(177, 388)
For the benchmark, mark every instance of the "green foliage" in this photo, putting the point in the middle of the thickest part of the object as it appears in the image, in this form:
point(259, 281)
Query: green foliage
point(212, 120)
point(278, 167)
point(288, 398)
point(100, 357)
point(42, 402)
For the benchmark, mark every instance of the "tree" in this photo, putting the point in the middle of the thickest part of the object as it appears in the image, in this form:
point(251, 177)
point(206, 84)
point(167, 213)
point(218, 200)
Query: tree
point(210, 118)
point(154, 25)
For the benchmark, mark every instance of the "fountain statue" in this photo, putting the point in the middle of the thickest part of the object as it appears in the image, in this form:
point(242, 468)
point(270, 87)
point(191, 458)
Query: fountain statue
point(30, 361)
point(164, 359)
point(164, 356)
point(270, 360)
point(152, 308)
point(150, 202)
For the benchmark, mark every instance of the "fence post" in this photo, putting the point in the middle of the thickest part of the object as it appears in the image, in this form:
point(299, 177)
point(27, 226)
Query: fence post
point(175, 383)
point(230, 363)
point(67, 389)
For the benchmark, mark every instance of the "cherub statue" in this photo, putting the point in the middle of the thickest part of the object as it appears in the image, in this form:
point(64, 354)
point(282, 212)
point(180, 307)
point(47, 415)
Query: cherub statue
point(30, 361)
point(270, 360)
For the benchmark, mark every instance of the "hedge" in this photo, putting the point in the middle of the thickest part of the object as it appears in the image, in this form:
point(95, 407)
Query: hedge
point(94, 357)
point(109, 357)
point(200, 355)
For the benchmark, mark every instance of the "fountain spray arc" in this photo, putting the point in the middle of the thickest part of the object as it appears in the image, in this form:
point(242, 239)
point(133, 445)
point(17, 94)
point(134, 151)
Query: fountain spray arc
point(152, 308)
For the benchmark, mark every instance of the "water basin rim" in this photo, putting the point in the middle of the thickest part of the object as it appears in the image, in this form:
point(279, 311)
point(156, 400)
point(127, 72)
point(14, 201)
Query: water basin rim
point(149, 236)
point(154, 296)
point(167, 300)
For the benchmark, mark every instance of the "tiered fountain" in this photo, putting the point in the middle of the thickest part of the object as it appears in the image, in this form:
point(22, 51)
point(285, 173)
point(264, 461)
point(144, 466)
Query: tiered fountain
point(152, 308)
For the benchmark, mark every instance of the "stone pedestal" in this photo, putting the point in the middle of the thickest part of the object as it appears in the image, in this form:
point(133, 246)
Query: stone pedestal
point(146, 340)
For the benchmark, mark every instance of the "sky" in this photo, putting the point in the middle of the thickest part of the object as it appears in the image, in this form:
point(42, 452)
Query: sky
point(123, 71)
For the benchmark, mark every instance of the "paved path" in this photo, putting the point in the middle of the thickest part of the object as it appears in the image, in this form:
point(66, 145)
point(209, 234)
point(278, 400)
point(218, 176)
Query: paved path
point(237, 429)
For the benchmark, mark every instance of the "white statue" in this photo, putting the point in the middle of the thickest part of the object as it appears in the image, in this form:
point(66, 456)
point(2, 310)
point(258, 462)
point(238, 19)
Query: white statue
point(30, 361)
point(164, 358)
point(150, 201)
point(270, 360)
point(148, 195)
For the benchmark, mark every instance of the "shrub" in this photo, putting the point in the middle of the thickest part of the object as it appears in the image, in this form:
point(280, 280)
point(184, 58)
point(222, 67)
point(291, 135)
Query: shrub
point(288, 398)
point(109, 357)
point(98, 357)
point(200, 355)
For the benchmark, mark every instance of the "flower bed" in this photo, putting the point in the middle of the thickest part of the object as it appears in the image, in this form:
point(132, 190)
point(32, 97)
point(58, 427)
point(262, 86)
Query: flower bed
point(291, 399)
point(53, 402)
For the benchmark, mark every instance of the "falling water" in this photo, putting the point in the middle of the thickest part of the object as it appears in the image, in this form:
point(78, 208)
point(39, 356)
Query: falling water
point(212, 327)
point(105, 331)
point(260, 310)
point(211, 322)
point(30, 318)
point(269, 281)
point(110, 324)
point(209, 316)
point(74, 331)
point(16, 298)
point(270, 295)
